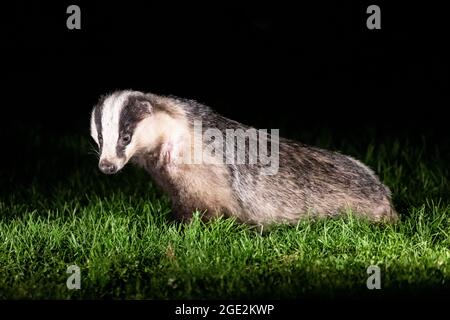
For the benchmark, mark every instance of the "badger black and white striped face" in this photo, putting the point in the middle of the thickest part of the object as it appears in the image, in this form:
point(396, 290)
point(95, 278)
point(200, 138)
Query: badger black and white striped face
point(114, 127)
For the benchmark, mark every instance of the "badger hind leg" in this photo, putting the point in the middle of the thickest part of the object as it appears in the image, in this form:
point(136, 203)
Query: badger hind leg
point(386, 213)
point(383, 212)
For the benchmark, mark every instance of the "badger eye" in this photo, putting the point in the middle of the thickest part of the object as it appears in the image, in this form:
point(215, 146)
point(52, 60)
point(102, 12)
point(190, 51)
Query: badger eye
point(126, 139)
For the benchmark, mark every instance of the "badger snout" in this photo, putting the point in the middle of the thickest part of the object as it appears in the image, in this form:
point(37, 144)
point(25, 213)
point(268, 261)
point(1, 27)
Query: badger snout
point(107, 167)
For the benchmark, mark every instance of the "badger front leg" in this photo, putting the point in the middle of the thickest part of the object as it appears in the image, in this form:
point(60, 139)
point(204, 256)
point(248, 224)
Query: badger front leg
point(181, 213)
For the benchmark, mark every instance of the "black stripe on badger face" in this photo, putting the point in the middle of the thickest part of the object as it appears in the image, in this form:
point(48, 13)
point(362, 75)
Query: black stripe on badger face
point(98, 121)
point(135, 109)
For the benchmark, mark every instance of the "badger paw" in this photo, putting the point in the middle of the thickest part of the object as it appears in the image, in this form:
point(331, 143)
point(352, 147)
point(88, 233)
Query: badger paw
point(169, 155)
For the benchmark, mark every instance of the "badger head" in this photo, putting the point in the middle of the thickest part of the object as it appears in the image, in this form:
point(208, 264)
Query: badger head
point(120, 125)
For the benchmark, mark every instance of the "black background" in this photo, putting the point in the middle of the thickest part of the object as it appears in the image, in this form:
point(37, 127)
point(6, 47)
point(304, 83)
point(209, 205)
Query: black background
point(301, 67)
point(273, 65)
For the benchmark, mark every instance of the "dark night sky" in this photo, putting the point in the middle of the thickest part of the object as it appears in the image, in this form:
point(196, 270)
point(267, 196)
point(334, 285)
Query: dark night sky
point(268, 65)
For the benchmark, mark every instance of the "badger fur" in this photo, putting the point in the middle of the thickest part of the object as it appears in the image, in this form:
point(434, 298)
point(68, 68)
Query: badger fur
point(156, 132)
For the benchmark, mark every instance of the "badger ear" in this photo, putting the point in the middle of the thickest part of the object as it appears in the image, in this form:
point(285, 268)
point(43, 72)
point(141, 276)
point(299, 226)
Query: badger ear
point(141, 106)
point(145, 106)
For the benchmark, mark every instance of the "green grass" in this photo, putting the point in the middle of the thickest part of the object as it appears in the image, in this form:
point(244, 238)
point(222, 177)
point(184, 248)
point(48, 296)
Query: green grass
point(56, 210)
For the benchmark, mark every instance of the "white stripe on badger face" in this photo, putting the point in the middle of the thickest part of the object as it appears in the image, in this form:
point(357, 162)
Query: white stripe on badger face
point(112, 108)
point(94, 133)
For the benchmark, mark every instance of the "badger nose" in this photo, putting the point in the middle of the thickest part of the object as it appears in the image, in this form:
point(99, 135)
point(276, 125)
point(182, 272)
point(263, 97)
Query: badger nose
point(107, 167)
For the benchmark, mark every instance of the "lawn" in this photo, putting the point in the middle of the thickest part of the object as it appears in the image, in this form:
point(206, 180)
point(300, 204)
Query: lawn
point(57, 210)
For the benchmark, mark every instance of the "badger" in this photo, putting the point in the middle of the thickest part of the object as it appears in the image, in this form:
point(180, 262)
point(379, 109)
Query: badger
point(159, 133)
